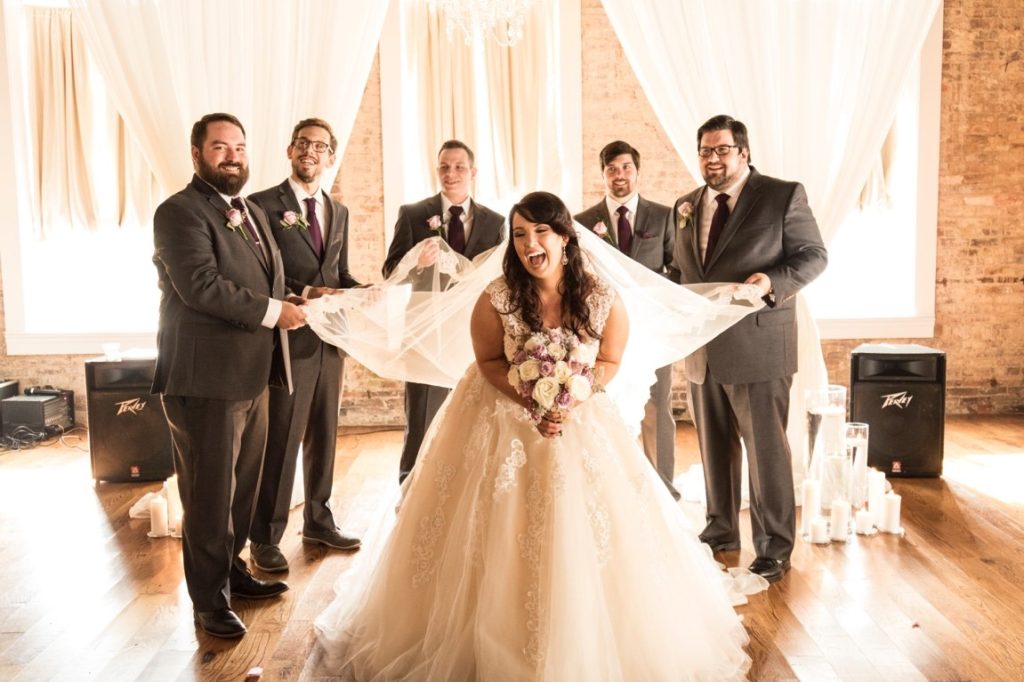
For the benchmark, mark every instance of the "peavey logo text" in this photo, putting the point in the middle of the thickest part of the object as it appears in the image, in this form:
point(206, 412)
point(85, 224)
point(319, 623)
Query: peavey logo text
point(133, 406)
point(900, 400)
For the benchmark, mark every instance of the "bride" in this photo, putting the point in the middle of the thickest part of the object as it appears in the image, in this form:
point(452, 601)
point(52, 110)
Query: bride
point(534, 541)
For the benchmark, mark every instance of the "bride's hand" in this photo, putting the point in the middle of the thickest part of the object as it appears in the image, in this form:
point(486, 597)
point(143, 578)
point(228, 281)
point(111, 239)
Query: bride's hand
point(551, 423)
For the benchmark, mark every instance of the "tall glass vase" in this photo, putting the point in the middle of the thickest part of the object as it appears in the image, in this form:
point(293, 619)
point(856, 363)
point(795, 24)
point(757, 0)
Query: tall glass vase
point(826, 457)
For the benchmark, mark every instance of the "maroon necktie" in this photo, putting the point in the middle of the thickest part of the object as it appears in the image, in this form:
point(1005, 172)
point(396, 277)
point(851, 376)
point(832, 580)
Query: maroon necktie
point(456, 231)
point(625, 233)
point(314, 226)
point(717, 223)
point(240, 205)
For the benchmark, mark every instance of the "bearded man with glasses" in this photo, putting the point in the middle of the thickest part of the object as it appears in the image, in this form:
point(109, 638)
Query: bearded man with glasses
point(312, 231)
point(748, 228)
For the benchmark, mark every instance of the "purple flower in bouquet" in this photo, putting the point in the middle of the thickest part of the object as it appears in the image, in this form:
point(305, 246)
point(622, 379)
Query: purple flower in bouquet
point(553, 370)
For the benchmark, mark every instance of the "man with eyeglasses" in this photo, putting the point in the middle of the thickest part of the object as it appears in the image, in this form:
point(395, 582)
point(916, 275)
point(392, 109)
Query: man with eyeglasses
point(470, 228)
point(746, 227)
point(644, 231)
point(312, 231)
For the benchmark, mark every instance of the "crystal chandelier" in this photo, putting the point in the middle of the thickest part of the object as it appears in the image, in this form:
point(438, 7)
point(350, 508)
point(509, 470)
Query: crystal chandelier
point(502, 19)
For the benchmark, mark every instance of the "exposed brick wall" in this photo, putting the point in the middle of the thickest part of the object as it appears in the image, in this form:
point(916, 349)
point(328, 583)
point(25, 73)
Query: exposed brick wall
point(980, 265)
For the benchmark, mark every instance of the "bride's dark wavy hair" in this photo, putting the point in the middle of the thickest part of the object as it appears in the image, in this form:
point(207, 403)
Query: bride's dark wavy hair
point(576, 285)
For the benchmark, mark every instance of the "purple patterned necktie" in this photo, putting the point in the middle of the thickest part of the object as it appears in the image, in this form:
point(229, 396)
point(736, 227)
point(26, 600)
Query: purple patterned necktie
point(717, 223)
point(456, 231)
point(625, 232)
point(240, 205)
point(314, 226)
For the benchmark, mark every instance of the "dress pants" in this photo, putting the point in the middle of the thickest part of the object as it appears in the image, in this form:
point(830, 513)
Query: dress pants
point(422, 401)
point(757, 413)
point(218, 454)
point(658, 429)
point(306, 417)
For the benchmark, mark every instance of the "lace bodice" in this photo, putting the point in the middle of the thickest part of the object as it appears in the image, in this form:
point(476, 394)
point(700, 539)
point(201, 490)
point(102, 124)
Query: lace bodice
point(516, 330)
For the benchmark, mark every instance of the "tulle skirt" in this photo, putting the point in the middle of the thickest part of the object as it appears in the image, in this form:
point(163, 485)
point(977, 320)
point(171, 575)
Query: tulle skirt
point(514, 557)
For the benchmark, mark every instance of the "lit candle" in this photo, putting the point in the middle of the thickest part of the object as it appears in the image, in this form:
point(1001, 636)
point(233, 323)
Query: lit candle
point(876, 494)
point(891, 513)
point(865, 522)
point(158, 516)
point(173, 502)
point(811, 504)
point(819, 531)
point(840, 520)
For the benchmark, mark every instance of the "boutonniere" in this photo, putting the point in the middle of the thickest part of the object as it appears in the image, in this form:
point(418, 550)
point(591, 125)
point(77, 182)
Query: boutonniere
point(685, 212)
point(234, 222)
point(291, 220)
point(435, 225)
point(601, 230)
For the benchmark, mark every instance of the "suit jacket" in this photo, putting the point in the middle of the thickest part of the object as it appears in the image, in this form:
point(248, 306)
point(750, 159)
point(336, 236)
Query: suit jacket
point(653, 232)
point(302, 265)
point(411, 228)
point(214, 289)
point(771, 230)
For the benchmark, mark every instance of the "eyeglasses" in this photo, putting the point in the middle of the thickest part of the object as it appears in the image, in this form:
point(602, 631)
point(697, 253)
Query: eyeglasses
point(720, 151)
point(302, 144)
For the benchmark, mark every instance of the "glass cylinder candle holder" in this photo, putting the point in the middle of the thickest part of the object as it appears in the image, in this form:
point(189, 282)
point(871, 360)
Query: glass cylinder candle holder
point(857, 452)
point(826, 457)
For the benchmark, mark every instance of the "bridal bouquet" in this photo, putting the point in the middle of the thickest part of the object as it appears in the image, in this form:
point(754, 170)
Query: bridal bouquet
point(554, 370)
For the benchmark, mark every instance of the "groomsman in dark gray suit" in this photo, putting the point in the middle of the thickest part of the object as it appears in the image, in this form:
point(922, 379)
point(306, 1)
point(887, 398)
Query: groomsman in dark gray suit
point(746, 227)
point(469, 228)
point(222, 294)
point(311, 230)
point(644, 231)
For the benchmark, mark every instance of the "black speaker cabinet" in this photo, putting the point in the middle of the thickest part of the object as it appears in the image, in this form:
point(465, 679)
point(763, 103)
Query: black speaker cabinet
point(900, 392)
point(128, 435)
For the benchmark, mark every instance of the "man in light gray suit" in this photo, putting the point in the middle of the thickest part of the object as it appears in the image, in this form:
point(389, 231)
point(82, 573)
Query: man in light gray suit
point(311, 230)
point(644, 231)
point(469, 228)
point(746, 227)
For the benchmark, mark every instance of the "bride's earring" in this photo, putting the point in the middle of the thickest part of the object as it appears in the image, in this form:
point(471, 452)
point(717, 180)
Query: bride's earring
point(565, 258)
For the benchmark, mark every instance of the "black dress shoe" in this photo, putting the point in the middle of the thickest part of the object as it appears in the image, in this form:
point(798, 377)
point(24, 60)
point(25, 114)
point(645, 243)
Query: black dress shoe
point(330, 538)
point(721, 545)
point(771, 570)
point(223, 623)
point(245, 586)
point(267, 557)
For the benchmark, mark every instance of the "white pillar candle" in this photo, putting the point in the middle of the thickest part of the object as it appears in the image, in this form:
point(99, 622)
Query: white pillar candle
point(876, 493)
point(865, 522)
point(840, 520)
point(176, 529)
point(819, 531)
point(158, 516)
point(173, 502)
point(811, 503)
point(891, 513)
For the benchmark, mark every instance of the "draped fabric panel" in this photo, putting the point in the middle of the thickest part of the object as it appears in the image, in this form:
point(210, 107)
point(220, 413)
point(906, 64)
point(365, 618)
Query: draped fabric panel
point(271, 63)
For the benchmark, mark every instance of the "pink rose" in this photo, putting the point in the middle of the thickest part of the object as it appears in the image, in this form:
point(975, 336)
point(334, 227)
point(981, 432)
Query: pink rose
point(289, 218)
point(234, 217)
point(434, 222)
point(601, 229)
point(685, 210)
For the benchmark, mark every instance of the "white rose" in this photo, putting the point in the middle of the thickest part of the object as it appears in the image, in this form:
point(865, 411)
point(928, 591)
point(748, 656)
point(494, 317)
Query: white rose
point(529, 370)
point(562, 371)
point(545, 392)
point(579, 388)
point(531, 343)
point(584, 353)
point(513, 376)
point(556, 351)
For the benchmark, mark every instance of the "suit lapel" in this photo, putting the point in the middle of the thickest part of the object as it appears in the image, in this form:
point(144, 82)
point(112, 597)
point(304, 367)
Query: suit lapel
point(292, 204)
point(639, 226)
point(698, 208)
point(749, 195)
point(335, 233)
point(479, 225)
point(264, 231)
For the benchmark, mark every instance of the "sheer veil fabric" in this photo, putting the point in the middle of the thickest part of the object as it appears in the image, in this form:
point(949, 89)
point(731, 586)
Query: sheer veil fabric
point(415, 326)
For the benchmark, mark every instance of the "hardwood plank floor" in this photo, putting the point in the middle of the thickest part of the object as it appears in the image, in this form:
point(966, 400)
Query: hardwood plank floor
point(87, 595)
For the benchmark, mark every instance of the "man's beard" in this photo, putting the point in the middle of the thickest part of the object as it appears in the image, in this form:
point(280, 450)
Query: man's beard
point(302, 174)
point(224, 183)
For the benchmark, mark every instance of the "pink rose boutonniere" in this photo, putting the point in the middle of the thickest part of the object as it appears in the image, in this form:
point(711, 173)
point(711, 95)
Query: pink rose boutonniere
point(435, 225)
point(234, 222)
point(601, 230)
point(685, 212)
point(291, 220)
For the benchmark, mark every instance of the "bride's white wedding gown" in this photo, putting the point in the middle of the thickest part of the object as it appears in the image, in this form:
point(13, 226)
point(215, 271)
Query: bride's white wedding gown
point(515, 557)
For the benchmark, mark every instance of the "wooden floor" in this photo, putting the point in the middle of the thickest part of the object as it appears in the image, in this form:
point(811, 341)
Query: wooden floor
point(84, 594)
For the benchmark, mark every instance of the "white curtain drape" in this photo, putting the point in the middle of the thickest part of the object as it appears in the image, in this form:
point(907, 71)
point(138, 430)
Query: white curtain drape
point(817, 83)
point(271, 63)
point(85, 172)
point(507, 104)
